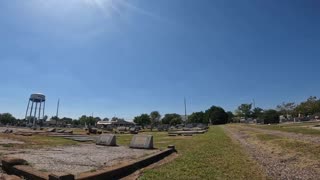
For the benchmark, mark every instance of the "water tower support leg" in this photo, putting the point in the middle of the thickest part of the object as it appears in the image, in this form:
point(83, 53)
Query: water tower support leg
point(39, 111)
point(44, 106)
point(30, 112)
point(27, 110)
point(35, 115)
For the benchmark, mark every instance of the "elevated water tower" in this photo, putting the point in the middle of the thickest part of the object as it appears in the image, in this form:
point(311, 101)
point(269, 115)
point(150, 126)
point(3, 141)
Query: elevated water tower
point(36, 111)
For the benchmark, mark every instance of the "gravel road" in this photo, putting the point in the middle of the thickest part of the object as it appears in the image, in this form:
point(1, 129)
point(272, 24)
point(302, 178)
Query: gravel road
point(276, 166)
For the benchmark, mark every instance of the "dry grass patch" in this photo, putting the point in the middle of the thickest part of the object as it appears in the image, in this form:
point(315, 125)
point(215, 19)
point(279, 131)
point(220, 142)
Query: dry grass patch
point(302, 128)
point(267, 137)
point(303, 148)
point(36, 141)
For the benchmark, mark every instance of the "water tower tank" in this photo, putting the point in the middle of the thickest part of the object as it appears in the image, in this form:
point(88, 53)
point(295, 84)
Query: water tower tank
point(36, 111)
point(38, 97)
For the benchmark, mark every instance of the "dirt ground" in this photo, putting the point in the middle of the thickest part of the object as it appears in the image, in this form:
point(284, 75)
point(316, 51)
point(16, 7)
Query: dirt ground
point(282, 155)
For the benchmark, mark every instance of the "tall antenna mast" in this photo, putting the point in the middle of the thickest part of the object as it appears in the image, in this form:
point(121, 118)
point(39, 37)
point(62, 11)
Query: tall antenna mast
point(57, 114)
point(254, 104)
point(58, 108)
point(185, 109)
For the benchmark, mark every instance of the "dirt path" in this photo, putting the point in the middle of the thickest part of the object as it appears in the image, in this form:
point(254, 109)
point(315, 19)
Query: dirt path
point(295, 136)
point(276, 165)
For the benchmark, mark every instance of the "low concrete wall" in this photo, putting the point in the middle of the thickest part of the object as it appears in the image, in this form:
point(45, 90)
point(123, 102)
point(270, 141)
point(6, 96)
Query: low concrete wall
point(29, 173)
point(126, 169)
point(186, 132)
point(20, 168)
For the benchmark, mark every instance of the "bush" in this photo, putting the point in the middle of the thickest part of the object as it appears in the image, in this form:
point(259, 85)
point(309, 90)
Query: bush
point(270, 116)
point(7, 118)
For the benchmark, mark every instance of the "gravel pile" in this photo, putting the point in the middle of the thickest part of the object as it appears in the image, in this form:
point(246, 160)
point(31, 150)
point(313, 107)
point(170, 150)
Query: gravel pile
point(276, 166)
point(77, 159)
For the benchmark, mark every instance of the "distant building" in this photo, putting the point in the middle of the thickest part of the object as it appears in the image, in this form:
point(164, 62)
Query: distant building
point(54, 122)
point(114, 124)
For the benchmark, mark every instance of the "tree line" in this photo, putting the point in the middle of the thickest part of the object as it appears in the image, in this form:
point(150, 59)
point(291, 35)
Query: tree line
point(288, 110)
point(213, 115)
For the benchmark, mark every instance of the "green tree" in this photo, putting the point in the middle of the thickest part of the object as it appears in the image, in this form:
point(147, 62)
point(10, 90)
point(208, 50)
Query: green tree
point(309, 107)
point(216, 115)
point(7, 118)
point(83, 120)
point(67, 120)
point(89, 120)
point(172, 119)
point(96, 119)
point(75, 122)
point(155, 118)
point(197, 117)
point(270, 116)
point(256, 112)
point(142, 120)
point(230, 116)
point(175, 121)
point(244, 110)
point(55, 118)
point(286, 108)
point(117, 119)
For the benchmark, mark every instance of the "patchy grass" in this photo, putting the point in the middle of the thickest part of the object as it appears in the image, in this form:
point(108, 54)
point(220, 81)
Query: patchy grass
point(302, 128)
point(291, 146)
point(43, 170)
point(93, 170)
point(7, 145)
point(161, 139)
point(267, 137)
point(36, 141)
point(305, 149)
point(212, 155)
point(288, 144)
point(294, 153)
point(208, 156)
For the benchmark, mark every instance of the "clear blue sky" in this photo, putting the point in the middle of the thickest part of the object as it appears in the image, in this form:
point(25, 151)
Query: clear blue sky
point(123, 58)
